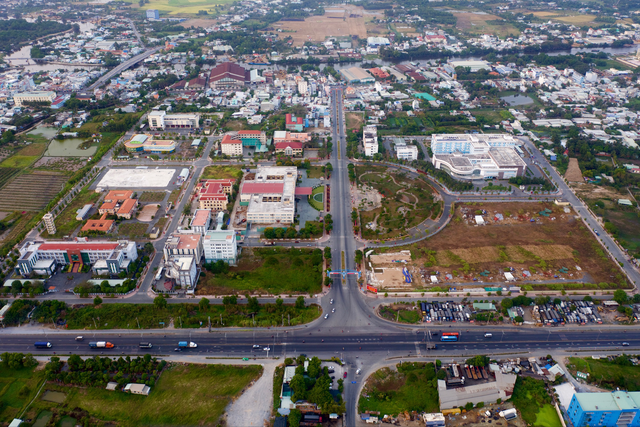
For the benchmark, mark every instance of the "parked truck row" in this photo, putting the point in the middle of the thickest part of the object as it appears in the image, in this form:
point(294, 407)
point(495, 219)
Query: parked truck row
point(582, 312)
point(445, 312)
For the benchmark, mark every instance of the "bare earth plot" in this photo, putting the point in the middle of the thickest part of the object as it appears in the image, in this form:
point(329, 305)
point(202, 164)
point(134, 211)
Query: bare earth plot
point(573, 173)
point(339, 20)
point(477, 23)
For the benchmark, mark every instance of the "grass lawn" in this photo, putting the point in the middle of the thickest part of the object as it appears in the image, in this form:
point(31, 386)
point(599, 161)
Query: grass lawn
point(607, 374)
point(13, 395)
point(161, 223)
point(221, 172)
point(17, 161)
point(173, 197)
point(531, 399)
point(268, 270)
point(184, 395)
point(133, 229)
point(316, 200)
point(406, 316)
point(315, 172)
point(354, 120)
point(547, 417)
point(66, 221)
point(410, 388)
point(152, 196)
point(34, 149)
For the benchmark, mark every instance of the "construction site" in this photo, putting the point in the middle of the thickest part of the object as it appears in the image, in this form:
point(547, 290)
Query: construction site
point(532, 246)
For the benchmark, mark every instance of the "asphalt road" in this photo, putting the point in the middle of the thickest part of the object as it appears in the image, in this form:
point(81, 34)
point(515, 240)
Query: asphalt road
point(120, 68)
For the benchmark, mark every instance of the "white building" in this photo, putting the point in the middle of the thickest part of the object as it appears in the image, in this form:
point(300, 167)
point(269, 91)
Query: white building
point(201, 221)
point(153, 14)
point(497, 163)
point(370, 140)
point(184, 243)
point(37, 96)
point(407, 152)
point(377, 41)
point(230, 146)
point(303, 87)
point(270, 197)
point(49, 223)
point(183, 270)
point(220, 245)
point(159, 119)
point(470, 143)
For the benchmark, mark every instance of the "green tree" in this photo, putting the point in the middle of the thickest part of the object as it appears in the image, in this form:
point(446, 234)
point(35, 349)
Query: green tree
point(620, 296)
point(97, 301)
point(300, 302)
point(160, 302)
point(230, 300)
point(203, 304)
point(295, 416)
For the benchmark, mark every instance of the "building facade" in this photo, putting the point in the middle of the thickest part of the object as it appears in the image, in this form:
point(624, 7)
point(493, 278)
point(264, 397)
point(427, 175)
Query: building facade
point(370, 140)
point(183, 243)
point(49, 223)
point(201, 221)
point(230, 146)
point(471, 143)
point(228, 76)
point(407, 152)
point(213, 193)
point(37, 96)
point(160, 120)
point(619, 408)
point(147, 144)
point(220, 245)
point(289, 148)
point(294, 123)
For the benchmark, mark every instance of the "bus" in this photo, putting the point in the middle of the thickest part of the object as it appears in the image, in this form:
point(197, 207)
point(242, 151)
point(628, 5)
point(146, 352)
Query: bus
point(519, 151)
point(449, 336)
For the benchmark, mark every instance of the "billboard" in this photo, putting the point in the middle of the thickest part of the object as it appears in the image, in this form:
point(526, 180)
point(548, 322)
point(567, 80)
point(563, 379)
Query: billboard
point(372, 289)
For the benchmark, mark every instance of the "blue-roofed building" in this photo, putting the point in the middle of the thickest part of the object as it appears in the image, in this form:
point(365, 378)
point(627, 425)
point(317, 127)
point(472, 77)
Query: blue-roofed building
point(616, 409)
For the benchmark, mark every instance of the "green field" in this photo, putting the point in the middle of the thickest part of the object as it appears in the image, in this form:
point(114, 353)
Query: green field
point(315, 172)
point(411, 388)
point(66, 221)
point(268, 270)
point(174, 7)
point(221, 172)
point(133, 229)
point(18, 161)
point(17, 388)
point(152, 196)
point(531, 399)
point(619, 373)
point(405, 316)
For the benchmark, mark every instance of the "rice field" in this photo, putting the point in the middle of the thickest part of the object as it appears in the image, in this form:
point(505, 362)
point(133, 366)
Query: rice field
point(31, 192)
point(174, 7)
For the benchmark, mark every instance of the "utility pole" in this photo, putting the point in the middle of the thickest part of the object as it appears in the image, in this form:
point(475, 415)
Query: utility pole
point(209, 317)
point(138, 323)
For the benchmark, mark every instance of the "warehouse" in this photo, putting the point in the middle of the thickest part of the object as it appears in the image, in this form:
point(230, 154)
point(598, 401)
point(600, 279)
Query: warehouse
point(357, 75)
point(472, 65)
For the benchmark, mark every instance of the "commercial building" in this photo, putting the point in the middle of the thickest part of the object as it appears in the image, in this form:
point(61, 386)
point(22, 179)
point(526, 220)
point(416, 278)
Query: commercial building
point(407, 152)
point(618, 408)
point(213, 193)
point(284, 136)
point(270, 197)
point(184, 243)
point(293, 123)
point(220, 245)
point(108, 257)
point(49, 223)
point(153, 14)
point(37, 96)
point(470, 143)
point(357, 75)
point(289, 148)
point(201, 221)
point(230, 146)
point(159, 119)
point(182, 269)
point(228, 76)
point(472, 65)
point(377, 41)
point(370, 140)
point(147, 144)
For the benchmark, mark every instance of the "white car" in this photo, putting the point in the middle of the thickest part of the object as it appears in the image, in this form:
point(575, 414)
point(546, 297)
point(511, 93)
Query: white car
point(326, 316)
point(333, 311)
point(331, 302)
point(267, 348)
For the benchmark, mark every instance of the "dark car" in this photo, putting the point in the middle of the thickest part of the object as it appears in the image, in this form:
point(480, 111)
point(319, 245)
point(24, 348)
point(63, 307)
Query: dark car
point(177, 349)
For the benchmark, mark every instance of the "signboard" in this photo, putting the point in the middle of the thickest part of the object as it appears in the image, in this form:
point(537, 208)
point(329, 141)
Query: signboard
point(372, 289)
point(582, 375)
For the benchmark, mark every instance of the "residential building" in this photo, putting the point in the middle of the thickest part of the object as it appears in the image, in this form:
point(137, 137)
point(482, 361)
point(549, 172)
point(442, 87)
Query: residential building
point(270, 197)
point(146, 143)
point(201, 221)
point(289, 148)
point(284, 136)
point(407, 152)
point(159, 119)
point(220, 245)
point(49, 223)
point(153, 14)
point(618, 408)
point(213, 193)
point(228, 76)
point(230, 146)
point(127, 209)
point(37, 96)
point(135, 388)
point(183, 270)
point(293, 123)
point(474, 66)
point(110, 257)
point(370, 140)
point(184, 243)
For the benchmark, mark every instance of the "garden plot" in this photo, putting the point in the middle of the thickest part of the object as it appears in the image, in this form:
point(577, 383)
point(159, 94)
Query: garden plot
point(136, 178)
point(31, 192)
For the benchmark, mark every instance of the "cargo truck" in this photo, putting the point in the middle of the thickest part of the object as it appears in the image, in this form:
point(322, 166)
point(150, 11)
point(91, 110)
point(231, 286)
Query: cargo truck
point(42, 344)
point(101, 344)
point(185, 344)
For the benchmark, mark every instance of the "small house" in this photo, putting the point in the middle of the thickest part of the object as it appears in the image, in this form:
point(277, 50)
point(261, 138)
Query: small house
point(137, 389)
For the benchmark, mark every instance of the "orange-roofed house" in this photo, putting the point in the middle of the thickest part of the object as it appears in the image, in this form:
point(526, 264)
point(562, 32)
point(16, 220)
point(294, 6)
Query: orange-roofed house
point(127, 209)
point(102, 225)
point(118, 196)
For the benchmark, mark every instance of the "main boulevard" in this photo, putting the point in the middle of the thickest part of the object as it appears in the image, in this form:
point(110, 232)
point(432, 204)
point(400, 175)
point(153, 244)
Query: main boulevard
point(353, 332)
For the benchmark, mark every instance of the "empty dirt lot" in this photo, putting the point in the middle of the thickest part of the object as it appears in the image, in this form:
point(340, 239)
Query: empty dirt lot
point(538, 250)
point(339, 20)
point(573, 173)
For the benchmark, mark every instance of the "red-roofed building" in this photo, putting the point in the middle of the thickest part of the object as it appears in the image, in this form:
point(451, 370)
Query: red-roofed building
point(127, 208)
point(230, 146)
point(228, 76)
point(212, 193)
point(252, 134)
point(294, 123)
point(249, 188)
point(289, 148)
point(102, 225)
point(378, 73)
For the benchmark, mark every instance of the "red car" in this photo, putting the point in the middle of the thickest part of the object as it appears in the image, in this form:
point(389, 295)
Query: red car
point(345, 375)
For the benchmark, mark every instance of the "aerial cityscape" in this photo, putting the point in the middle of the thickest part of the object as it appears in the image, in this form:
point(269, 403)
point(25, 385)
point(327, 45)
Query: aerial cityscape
point(315, 213)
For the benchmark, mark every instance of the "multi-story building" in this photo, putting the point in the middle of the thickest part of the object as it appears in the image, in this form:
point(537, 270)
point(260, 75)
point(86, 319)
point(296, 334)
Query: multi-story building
point(618, 408)
point(109, 257)
point(213, 193)
point(370, 140)
point(153, 14)
point(182, 269)
point(201, 221)
point(289, 148)
point(220, 245)
point(294, 123)
point(184, 243)
point(49, 223)
point(471, 143)
point(228, 76)
point(270, 197)
point(146, 143)
point(407, 152)
point(284, 136)
point(159, 119)
point(115, 200)
point(230, 146)
point(37, 96)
